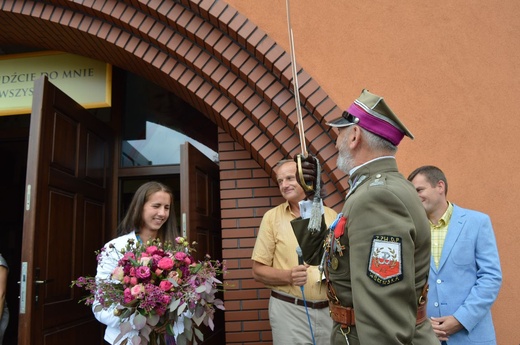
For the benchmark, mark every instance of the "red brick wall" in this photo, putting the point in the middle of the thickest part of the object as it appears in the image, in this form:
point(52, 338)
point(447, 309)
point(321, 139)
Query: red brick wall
point(247, 192)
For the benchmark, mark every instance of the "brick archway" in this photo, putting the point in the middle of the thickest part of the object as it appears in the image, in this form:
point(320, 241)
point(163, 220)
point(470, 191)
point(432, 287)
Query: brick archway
point(205, 52)
point(227, 68)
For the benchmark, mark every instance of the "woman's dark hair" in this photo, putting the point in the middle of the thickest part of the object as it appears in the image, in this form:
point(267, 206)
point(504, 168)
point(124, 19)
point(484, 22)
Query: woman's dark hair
point(133, 219)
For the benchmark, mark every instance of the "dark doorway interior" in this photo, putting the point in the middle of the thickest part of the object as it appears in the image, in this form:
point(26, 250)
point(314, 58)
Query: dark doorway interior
point(14, 134)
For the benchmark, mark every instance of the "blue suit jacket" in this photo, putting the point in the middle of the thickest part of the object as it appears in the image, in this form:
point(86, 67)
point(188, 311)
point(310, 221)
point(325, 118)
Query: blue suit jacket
point(468, 278)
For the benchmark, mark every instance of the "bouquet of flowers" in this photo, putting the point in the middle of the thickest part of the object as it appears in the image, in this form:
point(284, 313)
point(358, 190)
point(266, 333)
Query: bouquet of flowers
point(157, 290)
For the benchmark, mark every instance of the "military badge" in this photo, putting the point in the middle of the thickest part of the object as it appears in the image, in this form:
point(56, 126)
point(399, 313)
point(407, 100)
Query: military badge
point(385, 260)
point(334, 263)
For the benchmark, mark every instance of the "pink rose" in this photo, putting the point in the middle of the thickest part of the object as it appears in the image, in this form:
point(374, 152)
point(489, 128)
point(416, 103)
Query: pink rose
point(118, 273)
point(137, 290)
point(187, 260)
point(165, 285)
point(157, 257)
point(133, 281)
point(180, 256)
point(128, 295)
point(142, 272)
point(150, 250)
point(128, 256)
point(165, 263)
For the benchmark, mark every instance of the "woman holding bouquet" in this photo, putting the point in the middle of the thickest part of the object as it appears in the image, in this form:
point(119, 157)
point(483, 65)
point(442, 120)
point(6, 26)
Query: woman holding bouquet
point(150, 216)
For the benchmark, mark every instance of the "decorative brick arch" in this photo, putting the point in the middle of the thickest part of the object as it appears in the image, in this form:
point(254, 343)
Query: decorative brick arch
point(227, 68)
point(203, 51)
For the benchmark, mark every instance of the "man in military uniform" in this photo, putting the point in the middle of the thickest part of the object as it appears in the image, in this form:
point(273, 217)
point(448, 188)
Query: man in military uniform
point(377, 257)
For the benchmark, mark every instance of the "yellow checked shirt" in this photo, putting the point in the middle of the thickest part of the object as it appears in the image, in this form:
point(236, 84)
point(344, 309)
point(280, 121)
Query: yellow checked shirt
point(276, 247)
point(439, 232)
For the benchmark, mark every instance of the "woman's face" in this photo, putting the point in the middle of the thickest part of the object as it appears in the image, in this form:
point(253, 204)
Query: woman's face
point(156, 211)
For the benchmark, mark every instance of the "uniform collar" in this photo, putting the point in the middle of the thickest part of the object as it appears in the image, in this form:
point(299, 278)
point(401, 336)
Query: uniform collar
point(380, 164)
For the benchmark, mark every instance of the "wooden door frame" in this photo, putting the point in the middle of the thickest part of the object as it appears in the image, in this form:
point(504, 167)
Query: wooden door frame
point(80, 175)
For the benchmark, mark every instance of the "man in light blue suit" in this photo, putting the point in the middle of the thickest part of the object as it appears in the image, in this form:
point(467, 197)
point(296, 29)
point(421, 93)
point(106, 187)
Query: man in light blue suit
point(465, 274)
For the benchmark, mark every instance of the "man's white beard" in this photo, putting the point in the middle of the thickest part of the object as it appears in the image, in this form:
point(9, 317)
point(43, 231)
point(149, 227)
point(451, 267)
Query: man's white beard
point(345, 161)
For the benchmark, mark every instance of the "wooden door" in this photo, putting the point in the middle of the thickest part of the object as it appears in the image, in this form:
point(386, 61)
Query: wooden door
point(200, 216)
point(65, 218)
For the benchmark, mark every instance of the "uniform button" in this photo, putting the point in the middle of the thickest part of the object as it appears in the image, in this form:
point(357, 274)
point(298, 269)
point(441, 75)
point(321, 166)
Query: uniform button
point(438, 281)
point(436, 304)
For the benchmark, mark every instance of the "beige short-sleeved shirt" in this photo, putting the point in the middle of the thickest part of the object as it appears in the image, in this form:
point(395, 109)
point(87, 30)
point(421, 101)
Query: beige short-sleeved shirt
point(276, 247)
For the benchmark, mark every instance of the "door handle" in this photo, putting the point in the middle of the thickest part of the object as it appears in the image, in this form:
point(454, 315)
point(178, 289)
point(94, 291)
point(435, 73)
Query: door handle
point(37, 283)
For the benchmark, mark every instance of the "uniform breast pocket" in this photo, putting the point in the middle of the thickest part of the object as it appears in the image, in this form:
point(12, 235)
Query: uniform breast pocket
point(463, 253)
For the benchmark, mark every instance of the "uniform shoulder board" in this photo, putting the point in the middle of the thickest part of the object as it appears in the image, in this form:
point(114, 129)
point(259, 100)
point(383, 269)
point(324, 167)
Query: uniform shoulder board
point(378, 180)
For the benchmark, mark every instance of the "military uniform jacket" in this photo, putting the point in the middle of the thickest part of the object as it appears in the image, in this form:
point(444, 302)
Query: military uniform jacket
point(380, 260)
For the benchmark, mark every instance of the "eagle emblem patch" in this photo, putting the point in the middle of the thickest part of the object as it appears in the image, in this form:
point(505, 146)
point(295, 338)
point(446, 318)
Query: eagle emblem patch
point(385, 260)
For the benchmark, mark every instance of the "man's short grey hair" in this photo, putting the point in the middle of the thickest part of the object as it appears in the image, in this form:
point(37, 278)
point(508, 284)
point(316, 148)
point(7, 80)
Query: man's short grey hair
point(377, 143)
point(283, 161)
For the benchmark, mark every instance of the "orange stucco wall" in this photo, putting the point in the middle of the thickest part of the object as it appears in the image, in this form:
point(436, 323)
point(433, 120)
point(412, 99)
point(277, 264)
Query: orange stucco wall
point(451, 71)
